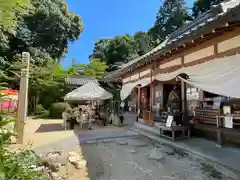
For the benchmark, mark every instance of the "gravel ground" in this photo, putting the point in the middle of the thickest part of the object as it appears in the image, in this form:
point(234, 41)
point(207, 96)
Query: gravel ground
point(138, 158)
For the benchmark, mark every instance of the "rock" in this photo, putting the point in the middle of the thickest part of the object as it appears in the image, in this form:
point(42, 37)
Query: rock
point(107, 140)
point(55, 167)
point(159, 145)
point(55, 176)
point(122, 142)
point(133, 151)
point(73, 157)
point(33, 166)
point(91, 142)
point(139, 144)
point(167, 150)
point(156, 154)
point(38, 169)
point(75, 160)
point(56, 158)
point(79, 164)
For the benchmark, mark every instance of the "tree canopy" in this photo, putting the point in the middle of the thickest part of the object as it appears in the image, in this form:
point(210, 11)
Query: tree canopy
point(44, 31)
point(201, 6)
point(9, 9)
point(43, 28)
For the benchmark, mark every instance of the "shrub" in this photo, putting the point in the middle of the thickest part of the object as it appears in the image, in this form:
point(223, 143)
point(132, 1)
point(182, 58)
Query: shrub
point(56, 110)
point(40, 112)
point(39, 109)
point(17, 166)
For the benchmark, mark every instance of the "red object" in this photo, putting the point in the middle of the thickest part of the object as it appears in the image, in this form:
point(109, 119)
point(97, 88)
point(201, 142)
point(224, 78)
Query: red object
point(9, 91)
point(195, 121)
point(9, 103)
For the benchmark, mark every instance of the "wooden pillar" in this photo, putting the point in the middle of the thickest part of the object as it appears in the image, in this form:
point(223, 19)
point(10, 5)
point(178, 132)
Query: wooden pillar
point(151, 92)
point(139, 100)
point(151, 99)
point(184, 100)
point(23, 98)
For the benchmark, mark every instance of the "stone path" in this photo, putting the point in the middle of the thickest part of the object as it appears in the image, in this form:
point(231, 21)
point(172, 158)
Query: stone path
point(137, 158)
point(115, 153)
point(228, 156)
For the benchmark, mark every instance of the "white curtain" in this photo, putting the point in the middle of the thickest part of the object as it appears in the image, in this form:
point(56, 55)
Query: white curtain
point(127, 88)
point(220, 76)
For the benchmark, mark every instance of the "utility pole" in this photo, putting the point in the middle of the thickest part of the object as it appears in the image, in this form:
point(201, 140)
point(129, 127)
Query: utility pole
point(23, 97)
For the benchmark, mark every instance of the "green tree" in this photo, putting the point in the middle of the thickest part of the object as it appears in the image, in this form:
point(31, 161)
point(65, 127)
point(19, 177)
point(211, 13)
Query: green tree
point(48, 79)
point(155, 37)
point(44, 32)
point(121, 49)
point(49, 27)
point(171, 16)
point(142, 40)
point(9, 9)
point(201, 6)
point(96, 68)
point(99, 50)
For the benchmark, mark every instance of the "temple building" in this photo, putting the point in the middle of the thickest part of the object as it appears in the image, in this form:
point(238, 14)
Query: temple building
point(195, 71)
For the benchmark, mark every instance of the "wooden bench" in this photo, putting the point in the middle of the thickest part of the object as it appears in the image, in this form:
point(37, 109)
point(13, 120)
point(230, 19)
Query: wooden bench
point(173, 129)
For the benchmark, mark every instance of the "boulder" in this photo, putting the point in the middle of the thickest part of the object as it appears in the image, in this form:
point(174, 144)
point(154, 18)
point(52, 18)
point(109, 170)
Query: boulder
point(56, 158)
point(55, 176)
point(75, 160)
point(167, 150)
point(55, 167)
point(91, 142)
point(156, 154)
point(73, 157)
point(79, 164)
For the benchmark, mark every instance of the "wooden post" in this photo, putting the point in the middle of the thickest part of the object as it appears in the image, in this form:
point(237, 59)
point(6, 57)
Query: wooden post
point(138, 101)
point(23, 97)
point(184, 100)
point(151, 97)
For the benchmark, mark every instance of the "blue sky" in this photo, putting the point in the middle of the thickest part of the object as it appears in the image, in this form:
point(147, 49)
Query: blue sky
point(108, 18)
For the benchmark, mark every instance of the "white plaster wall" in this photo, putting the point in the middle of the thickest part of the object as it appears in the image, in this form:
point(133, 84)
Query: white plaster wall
point(126, 79)
point(229, 44)
point(205, 52)
point(143, 73)
point(174, 62)
point(134, 77)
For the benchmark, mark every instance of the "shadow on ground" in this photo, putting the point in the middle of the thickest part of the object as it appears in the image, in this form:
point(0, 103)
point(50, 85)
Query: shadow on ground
point(49, 128)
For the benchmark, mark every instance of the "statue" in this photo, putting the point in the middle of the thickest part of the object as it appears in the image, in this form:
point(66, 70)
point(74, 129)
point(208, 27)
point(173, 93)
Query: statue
point(174, 104)
point(174, 99)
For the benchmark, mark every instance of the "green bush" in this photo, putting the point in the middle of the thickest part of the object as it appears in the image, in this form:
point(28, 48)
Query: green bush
point(56, 110)
point(13, 165)
point(40, 112)
point(39, 109)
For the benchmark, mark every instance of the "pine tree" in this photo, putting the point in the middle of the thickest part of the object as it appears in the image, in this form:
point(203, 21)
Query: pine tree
point(201, 6)
point(171, 15)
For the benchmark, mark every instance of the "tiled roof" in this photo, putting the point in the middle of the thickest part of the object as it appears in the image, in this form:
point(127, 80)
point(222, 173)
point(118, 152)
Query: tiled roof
point(178, 36)
point(79, 80)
